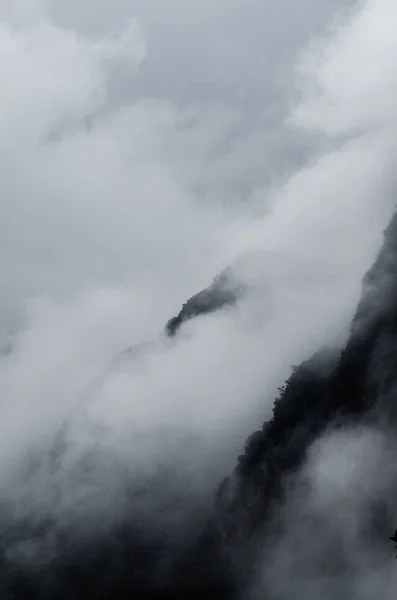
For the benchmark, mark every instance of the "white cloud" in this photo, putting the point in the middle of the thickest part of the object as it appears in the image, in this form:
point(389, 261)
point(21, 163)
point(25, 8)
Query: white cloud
point(352, 81)
point(336, 538)
point(110, 218)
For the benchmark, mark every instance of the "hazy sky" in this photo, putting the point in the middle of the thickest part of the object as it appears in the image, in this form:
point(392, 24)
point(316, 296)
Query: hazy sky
point(209, 83)
point(145, 146)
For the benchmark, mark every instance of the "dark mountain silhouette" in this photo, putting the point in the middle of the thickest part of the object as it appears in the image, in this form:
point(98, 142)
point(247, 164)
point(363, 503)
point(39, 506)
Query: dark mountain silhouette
point(223, 292)
point(215, 556)
point(326, 392)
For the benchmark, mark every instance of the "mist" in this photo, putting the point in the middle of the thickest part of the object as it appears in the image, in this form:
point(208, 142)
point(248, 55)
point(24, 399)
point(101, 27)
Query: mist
point(145, 147)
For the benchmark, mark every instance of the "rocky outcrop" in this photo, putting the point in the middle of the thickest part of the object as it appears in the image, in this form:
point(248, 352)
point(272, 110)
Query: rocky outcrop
point(223, 292)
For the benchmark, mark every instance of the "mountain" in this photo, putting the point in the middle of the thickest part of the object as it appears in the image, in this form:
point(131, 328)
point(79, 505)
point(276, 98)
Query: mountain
point(329, 392)
point(224, 291)
point(215, 555)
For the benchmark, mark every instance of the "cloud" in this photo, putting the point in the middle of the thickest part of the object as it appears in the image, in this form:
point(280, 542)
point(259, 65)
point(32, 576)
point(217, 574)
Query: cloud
point(123, 193)
point(340, 508)
point(350, 83)
point(337, 520)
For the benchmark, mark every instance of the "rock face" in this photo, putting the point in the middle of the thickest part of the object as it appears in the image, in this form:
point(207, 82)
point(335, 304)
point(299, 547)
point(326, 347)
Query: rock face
point(326, 392)
point(221, 293)
point(215, 559)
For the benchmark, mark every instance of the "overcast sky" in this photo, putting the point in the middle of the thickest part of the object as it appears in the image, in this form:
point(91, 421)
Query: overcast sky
point(216, 74)
point(144, 147)
point(147, 145)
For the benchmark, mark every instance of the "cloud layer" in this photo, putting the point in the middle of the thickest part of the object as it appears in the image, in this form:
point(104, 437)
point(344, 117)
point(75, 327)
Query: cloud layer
point(129, 181)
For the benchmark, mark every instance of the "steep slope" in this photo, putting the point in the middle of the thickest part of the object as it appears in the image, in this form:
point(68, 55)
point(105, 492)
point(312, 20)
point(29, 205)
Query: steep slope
point(324, 393)
point(213, 555)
